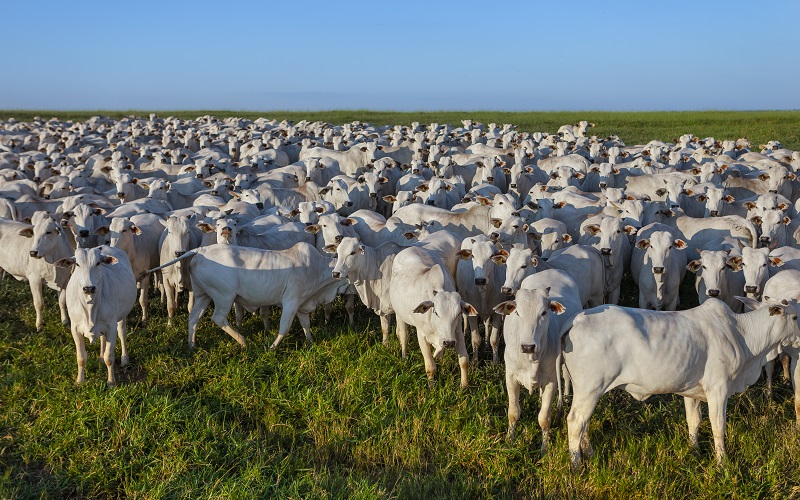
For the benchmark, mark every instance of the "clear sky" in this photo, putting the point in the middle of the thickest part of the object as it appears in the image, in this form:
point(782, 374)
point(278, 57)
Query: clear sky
point(409, 55)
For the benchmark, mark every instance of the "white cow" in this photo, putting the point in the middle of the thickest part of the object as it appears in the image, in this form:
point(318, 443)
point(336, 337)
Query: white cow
point(704, 354)
point(100, 294)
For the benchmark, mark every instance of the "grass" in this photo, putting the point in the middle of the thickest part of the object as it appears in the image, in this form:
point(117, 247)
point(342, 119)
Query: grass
point(346, 417)
point(632, 127)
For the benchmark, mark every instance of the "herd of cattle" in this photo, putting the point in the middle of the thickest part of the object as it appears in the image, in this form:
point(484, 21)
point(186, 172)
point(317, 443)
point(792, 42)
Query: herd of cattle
point(452, 230)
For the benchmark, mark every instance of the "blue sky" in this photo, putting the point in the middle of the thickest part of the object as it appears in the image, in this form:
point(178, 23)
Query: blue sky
point(465, 55)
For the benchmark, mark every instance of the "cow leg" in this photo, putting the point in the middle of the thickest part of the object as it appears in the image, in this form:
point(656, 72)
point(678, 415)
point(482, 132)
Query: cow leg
point(693, 418)
point(495, 337)
point(191, 303)
point(108, 356)
point(785, 361)
point(288, 313)
point(201, 302)
point(62, 306)
point(122, 332)
point(385, 325)
point(80, 350)
point(102, 347)
point(430, 363)
point(463, 358)
point(583, 405)
point(239, 312)
point(769, 369)
point(717, 410)
point(476, 336)
point(328, 307)
point(349, 306)
point(169, 291)
point(264, 310)
point(305, 324)
point(567, 381)
point(221, 309)
point(544, 413)
point(402, 336)
point(38, 302)
point(514, 409)
point(796, 386)
point(144, 297)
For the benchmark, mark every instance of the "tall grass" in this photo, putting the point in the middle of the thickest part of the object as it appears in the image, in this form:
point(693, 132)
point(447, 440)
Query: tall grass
point(344, 417)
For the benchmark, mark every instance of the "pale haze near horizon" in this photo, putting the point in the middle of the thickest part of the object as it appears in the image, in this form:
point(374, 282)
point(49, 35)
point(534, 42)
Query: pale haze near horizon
point(520, 56)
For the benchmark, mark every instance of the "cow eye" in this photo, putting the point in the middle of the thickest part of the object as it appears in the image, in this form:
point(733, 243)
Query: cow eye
point(544, 313)
point(49, 232)
point(523, 267)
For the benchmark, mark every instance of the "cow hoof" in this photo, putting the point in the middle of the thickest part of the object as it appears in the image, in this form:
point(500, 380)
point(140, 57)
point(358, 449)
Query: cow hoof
point(125, 361)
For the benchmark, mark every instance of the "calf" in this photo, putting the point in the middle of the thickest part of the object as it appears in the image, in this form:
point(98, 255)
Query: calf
point(658, 265)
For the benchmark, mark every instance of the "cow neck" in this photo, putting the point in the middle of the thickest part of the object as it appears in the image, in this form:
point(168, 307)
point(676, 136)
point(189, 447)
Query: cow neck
point(752, 327)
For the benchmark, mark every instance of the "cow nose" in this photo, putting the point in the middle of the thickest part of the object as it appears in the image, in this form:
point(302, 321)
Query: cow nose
point(336, 274)
point(37, 179)
point(751, 289)
point(373, 195)
point(89, 289)
point(490, 179)
point(774, 191)
point(480, 281)
point(199, 176)
point(120, 195)
point(605, 251)
point(764, 239)
point(178, 253)
point(449, 343)
point(348, 203)
point(215, 193)
point(47, 197)
point(34, 253)
point(309, 224)
point(506, 290)
point(513, 185)
point(494, 236)
point(83, 233)
point(430, 202)
point(714, 213)
point(658, 270)
point(713, 293)
point(260, 206)
point(603, 185)
point(338, 238)
point(674, 205)
point(528, 348)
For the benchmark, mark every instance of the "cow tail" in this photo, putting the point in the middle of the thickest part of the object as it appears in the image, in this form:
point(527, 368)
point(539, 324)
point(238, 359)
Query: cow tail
point(186, 255)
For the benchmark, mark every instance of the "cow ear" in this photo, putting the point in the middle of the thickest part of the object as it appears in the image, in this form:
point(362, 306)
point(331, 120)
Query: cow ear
point(135, 230)
point(566, 238)
point(731, 199)
point(319, 210)
point(661, 192)
point(423, 307)
point(206, 227)
point(294, 213)
point(410, 235)
point(679, 244)
point(560, 204)
point(630, 230)
point(791, 176)
point(499, 258)
point(775, 310)
point(557, 307)
point(313, 229)
point(27, 232)
point(505, 308)
point(66, 262)
point(535, 261)
point(592, 229)
point(694, 266)
point(786, 221)
point(763, 177)
point(109, 259)
point(749, 303)
point(643, 243)
point(702, 198)
point(735, 263)
point(235, 194)
point(484, 201)
point(749, 205)
point(389, 198)
point(467, 309)
point(361, 249)
point(349, 222)
point(330, 248)
point(324, 190)
point(496, 222)
point(775, 261)
point(465, 254)
point(101, 231)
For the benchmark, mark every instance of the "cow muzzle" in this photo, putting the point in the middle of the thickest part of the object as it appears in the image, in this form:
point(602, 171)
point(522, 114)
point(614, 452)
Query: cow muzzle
point(215, 193)
point(603, 185)
point(260, 206)
point(338, 238)
point(34, 254)
point(528, 348)
point(764, 240)
point(480, 281)
point(89, 290)
point(605, 251)
point(178, 253)
point(348, 203)
point(336, 274)
point(658, 270)
point(751, 289)
point(506, 290)
point(713, 293)
point(83, 233)
point(449, 343)
point(120, 195)
point(714, 213)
